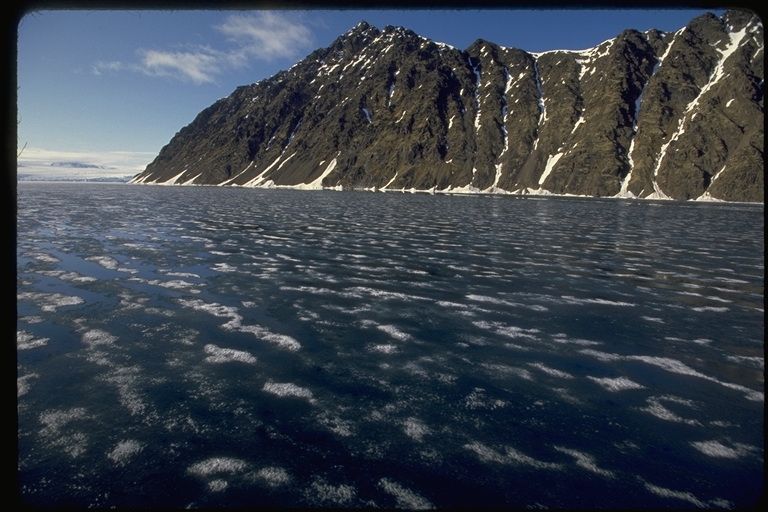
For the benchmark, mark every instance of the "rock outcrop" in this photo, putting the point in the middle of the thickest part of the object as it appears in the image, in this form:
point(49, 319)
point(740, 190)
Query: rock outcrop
point(650, 115)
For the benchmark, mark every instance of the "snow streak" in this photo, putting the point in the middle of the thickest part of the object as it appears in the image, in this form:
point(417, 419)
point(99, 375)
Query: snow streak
point(735, 41)
point(542, 107)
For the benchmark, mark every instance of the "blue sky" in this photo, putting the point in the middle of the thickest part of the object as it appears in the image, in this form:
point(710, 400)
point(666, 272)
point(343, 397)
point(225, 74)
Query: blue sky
point(111, 88)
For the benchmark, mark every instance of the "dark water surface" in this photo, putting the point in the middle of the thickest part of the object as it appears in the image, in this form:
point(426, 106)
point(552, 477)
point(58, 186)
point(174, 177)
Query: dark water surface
point(198, 347)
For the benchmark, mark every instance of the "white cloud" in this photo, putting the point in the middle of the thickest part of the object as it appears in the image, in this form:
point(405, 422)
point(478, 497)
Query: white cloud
point(263, 35)
point(199, 66)
point(107, 66)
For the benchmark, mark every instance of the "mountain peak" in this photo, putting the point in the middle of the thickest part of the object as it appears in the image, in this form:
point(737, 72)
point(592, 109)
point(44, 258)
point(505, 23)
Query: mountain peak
point(362, 28)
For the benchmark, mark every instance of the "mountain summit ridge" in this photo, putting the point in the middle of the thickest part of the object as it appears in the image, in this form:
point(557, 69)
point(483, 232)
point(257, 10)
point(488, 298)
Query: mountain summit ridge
point(654, 115)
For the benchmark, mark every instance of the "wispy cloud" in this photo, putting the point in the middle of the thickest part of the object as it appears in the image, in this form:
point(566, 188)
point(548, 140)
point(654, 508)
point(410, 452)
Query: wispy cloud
point(107, 66)
point(199, 66)
point(264, 35)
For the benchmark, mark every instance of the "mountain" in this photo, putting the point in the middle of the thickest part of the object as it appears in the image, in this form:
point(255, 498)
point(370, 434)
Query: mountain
point(651, 115)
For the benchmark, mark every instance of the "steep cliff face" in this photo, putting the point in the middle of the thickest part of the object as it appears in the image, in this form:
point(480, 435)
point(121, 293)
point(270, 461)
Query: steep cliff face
point(652, 115)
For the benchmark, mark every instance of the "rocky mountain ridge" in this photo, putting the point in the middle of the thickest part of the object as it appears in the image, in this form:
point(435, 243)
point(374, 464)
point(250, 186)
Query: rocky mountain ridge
point(650, 115)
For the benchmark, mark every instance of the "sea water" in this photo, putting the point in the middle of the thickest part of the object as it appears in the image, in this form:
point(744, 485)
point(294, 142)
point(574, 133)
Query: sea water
point(207, 347)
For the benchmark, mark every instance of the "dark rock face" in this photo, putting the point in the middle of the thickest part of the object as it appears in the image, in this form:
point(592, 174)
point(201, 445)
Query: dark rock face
point(652, 115)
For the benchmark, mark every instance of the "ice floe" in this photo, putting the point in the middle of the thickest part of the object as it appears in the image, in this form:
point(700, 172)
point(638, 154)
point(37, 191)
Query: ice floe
point(332, 495)
point(26, 341)
point(415, 429)
point(551, 371)
point(288, 389)
point(510, 456)
point(616, 384)
point(405, 498)
point(273, 476)
point(226, 355)
point(235, 323)
point(477, 400)
point(585, 461)
point(125, 450)
point(50, 302)
point(22, 383)
point(719, 450)
point(217, 465)
point(104, 261)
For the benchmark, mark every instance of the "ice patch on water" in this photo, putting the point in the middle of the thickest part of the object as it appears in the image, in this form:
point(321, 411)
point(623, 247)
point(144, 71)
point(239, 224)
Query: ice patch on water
point(551, 371)
point(335, 424)
point(49, 302)
point(384, 349)
point(657, 409)
point(273, 476)
point(477, 400)
point(235, 323)
point(415, 429)
point(447, 304)
point(41, 256)
point(226, 355)
point(394, 332)
point(602, 356)
point(175, 284)
point(502, 302)
point(413, 368)
point(68, 276)
point(288, 389)
point(330, 495)
point(617, 384)
point(34, 319)
point(217, 485)
point(564, 394)
point(358, 291)
point(405, 498)
point(54, 421)
point(585, 461)
point(96, 337)
point(171, 273)
point(223, 267)
point(717, 449)
point(510, 331)
point(159, 311)
point(675, 366)
point(22, 386)
point(125, 378)
point(668, 493)
point(281, 340)
point(125, 450)
point(563, 338)
point(502, 369)
point(754, 361)
point(104, 261)
point(26, 341)
point(573, 300)
point(511, 456)
point(217, 465)
point(716, 309)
